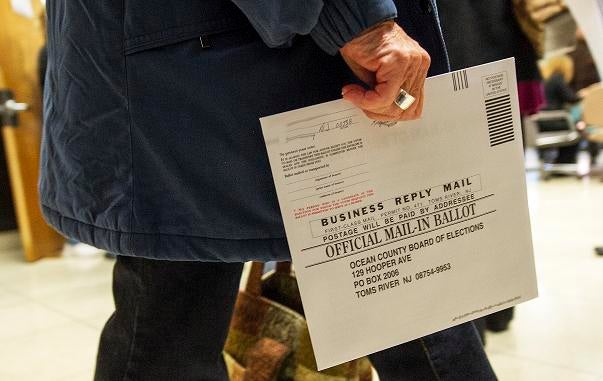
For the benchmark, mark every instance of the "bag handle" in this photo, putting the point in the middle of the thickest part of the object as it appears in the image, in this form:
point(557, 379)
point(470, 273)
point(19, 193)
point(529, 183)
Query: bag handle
point(254, 281)
point(283, 267)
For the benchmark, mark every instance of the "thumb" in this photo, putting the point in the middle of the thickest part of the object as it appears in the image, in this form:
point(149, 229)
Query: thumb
point(354, 94)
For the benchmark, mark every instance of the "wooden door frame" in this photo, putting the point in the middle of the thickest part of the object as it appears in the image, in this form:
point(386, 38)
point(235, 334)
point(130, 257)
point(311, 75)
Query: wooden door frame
point(20, 41)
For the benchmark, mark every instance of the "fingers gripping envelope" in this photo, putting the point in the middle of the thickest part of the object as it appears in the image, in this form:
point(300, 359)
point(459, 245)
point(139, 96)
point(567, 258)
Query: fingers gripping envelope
point(399, 230)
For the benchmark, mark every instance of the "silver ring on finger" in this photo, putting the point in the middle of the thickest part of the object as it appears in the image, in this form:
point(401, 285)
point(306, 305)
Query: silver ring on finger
point(404, 100)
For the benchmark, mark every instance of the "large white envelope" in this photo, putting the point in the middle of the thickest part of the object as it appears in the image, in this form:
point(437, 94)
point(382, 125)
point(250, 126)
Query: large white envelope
point(398, 231)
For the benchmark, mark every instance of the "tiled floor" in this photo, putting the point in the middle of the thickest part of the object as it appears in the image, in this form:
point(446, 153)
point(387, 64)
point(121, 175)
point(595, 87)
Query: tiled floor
point(51, 311)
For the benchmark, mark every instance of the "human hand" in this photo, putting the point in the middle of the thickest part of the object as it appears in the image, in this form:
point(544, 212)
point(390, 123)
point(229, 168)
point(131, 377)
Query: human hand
point(386, 59)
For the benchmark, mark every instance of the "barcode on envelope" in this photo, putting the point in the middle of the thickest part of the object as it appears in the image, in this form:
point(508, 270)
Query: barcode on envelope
point(500, 120)
point(459, 80)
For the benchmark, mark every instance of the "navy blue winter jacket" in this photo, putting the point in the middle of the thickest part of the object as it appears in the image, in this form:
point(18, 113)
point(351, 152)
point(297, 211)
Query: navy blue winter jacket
point(152, 145)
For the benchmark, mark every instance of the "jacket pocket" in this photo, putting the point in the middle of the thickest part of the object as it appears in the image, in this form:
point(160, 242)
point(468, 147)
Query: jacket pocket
point(183, 33)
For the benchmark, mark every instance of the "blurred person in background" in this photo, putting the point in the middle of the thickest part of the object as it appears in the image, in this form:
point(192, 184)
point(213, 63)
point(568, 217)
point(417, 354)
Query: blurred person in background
point(586, 78)
point(558, 72)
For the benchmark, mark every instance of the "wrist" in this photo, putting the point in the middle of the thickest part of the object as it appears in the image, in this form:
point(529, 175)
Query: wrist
point(341, 21)
point(381, 26)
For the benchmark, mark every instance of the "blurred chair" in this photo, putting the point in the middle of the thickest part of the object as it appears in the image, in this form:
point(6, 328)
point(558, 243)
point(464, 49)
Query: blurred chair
point(593, 119)
point(554, 129)
point(593, 108)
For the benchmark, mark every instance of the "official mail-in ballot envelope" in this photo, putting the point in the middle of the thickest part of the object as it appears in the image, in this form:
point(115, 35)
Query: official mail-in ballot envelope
point(399, 230)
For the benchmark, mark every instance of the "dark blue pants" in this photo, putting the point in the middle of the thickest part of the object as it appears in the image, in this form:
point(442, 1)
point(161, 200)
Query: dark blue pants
point(172, 318)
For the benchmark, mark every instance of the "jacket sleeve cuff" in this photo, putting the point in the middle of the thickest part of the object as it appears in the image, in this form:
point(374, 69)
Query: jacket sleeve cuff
point(342, 20)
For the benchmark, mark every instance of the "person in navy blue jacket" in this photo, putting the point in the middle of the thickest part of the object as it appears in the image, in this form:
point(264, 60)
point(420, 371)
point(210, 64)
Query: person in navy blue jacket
point(152, 150)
